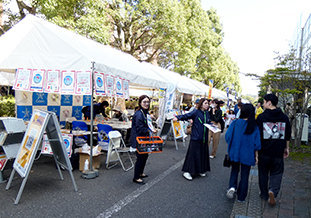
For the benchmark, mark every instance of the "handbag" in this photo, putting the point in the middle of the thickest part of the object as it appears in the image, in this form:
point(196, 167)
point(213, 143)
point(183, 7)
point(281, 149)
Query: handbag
point(227, 161)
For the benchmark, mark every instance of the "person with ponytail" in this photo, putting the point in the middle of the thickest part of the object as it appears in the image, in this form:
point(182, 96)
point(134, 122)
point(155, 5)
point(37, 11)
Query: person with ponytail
point(243, 138)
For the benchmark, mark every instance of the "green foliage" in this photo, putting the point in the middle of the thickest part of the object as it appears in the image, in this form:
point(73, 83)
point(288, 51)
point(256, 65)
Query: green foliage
point(7, 106)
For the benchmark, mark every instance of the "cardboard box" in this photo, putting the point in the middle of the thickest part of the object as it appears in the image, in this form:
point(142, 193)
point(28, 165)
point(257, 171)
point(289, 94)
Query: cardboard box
point(84, 156)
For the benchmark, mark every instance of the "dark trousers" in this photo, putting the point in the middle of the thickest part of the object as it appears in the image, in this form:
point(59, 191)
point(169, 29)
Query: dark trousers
point(243, 184)
point(140, 164)
point(270, 173)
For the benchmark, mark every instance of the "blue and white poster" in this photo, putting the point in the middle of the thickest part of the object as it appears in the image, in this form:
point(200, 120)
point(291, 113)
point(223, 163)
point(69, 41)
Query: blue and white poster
point(99, 80)
point(119, 87)
point(36, 82)
point(67, 82)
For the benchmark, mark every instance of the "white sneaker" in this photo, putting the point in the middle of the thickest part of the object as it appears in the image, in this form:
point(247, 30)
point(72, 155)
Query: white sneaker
point(212, 157)
point(230, 192)
point(187, 176)
point(202, 174)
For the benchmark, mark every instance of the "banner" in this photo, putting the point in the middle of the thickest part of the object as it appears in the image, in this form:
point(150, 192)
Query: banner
point(99, 80)
point(210, 83)
point(170, 96)
point(22, 79)
point(67, 84)
point(52, 81)
point(36, 83)
point(228, 96)
point(161, 93)
point(109, 85)
point(126, 88)
point(119, 87)
point(83, 83)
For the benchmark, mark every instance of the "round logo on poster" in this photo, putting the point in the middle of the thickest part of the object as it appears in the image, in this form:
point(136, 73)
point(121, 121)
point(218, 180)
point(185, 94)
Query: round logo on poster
point(99, 82)
point(37, 78)
point(118, 85)
point(66, 142)
point(67, 80)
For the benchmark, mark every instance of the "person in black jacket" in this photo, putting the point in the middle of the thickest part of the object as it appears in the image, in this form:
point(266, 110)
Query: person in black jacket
point(197, 161)
point(98, 108)
point(140, 128)
point(216, 116)
point(275, 132)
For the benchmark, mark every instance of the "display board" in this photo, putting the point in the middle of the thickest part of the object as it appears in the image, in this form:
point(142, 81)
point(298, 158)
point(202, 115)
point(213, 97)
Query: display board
point(30, 143)
point(41, 121)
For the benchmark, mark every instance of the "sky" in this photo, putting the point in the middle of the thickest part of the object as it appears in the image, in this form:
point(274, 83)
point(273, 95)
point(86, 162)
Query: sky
point(255, 29)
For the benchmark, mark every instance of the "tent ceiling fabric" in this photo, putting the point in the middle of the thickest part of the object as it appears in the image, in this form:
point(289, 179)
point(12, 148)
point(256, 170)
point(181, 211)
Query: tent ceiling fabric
point(38, 44)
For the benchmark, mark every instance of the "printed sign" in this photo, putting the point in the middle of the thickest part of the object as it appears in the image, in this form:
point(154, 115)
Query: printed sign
point(119, 87)
point(3, 161)
point(46, 148)
point(52, 81)
point(22, 79)
point(67, 84)
point(36, 84)
point(83, 82)
point(99, 79)
point(126, 89)
point(109, 85)
point(30, 142)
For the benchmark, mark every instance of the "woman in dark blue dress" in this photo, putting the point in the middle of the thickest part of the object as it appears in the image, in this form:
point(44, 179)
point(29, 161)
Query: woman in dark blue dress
point(197, 158)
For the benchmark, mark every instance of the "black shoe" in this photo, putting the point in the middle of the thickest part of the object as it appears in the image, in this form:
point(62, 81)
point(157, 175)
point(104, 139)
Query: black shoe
point(143, 176)
point(138, 182)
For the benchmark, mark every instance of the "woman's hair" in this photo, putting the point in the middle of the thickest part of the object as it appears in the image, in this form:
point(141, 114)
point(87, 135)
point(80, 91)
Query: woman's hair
point(201, 102)
point(231, 112)
point(248, 111)
point(140, 99)
point(217, 103)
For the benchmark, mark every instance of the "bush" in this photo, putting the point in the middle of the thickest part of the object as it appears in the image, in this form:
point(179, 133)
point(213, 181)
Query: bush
point(7, 106)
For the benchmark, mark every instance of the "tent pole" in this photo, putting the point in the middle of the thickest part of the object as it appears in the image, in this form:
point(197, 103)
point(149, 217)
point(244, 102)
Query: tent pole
point(91, 173)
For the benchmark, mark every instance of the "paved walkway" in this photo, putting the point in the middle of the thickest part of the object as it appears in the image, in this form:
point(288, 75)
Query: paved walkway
point(294, 199)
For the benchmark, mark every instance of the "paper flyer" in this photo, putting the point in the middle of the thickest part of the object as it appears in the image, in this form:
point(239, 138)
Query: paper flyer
point(83, 82)
point(36, 83)
point(99, 80)
point(126, 87)
point(52, 81)
point(213, 128)
point(109, 85)
point(67, 84)
point(22, 79)
point(119, 87)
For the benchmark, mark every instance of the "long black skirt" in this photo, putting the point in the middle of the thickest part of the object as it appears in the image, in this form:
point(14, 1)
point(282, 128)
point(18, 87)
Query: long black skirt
point(197, 158)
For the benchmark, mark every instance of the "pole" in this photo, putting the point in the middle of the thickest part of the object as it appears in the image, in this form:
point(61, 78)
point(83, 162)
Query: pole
point(91, 173)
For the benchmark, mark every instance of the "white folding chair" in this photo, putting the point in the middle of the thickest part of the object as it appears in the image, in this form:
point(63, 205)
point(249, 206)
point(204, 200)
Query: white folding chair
point(115, 148)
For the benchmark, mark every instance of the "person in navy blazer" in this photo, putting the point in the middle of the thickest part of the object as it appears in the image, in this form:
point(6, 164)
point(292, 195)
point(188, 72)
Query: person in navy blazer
point(140, 128)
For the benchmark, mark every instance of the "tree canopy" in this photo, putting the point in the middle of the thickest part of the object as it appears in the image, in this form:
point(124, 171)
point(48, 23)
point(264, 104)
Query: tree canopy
point(178, 35)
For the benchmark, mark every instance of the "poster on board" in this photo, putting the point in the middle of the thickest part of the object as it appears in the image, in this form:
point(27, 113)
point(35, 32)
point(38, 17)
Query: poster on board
point(67, 84)
point(22, 79)
point(36, 82)
point(52, 81)
point(83, 82)
point(3, 161)
point(99, 79)
point(109, 85)
point(46, 147)
point(30, 144)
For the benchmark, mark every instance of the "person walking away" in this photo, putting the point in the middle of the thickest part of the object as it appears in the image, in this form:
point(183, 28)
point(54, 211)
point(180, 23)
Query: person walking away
point(140, 128)
point(216, 116)
point(275, 132)
point(243, 138)
point(197, 161)
point(236, 109)
point(259, 110)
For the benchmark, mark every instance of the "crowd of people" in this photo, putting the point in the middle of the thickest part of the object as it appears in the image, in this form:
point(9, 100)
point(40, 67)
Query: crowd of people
point(255, 135)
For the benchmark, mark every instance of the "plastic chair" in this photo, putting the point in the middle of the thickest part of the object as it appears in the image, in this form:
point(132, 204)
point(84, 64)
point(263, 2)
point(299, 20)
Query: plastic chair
point(80, 125)
point(103, 138)
point(115, 148)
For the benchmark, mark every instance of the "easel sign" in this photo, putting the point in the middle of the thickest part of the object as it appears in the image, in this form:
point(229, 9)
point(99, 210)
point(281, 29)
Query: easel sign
point(30, 143)
point(41, 121)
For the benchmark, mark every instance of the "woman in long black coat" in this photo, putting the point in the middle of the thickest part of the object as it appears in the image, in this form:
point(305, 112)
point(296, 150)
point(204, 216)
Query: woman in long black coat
point(197, 161)
point(140, 128)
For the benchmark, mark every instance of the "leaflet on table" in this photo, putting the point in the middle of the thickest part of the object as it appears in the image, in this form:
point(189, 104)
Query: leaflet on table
point(213, 128)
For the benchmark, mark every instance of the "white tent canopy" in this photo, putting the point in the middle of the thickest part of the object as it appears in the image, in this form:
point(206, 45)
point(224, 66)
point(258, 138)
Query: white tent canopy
point(36, 43)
